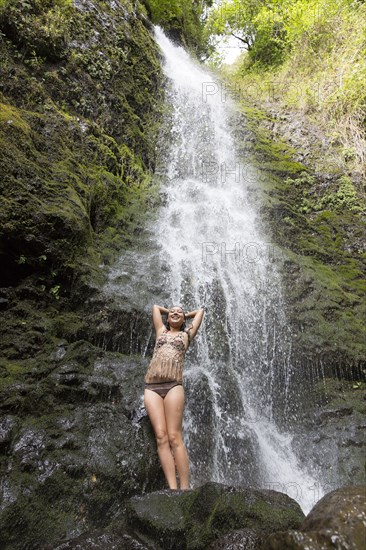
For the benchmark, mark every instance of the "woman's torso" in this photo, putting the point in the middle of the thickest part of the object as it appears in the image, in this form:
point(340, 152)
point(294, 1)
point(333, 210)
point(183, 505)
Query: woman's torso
point(167, 361)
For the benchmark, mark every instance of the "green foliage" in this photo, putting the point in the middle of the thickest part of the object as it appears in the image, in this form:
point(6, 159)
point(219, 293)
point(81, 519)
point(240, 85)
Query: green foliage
point(260, 25)
point(235, 16)
point(308, 55)
point(183, 20)
point(344, 198)
point(272, 29)
point(36, 4)
point(271, 42)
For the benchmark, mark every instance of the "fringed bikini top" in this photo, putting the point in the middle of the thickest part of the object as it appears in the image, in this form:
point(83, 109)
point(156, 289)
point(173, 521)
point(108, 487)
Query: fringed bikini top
point(167, 361)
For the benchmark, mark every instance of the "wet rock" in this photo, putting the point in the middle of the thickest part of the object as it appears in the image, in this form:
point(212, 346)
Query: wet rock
point(316, 233)
point(195, 518)
point(99, 540)
point(336, 521)
point(334, 413)
point(59, 353)
point(28, 448)
point(241, 539)
point(7, 426)
point(85, 452)
point(338, 440)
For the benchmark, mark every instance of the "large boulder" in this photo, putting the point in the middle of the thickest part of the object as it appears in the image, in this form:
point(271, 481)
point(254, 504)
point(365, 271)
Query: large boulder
point(200, 517)
point(337, 521)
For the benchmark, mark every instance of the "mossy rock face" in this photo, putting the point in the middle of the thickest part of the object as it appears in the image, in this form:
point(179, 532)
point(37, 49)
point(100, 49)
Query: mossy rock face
point(330, 430)
point(194, 518)
point(80, 102)
point(79, 441)
point(317, 214)
point(81, 94)
point(77, 128)
point(40, 28)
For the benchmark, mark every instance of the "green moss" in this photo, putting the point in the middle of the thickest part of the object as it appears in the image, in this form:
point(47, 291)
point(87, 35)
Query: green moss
point(47, 515)
point(70, 325)
point(253, 114)
point(10, 117)
point(331, 301)
point(335, 394)
point(344, 198)
point(282, 167)
point(274, 156)
point(10, 373)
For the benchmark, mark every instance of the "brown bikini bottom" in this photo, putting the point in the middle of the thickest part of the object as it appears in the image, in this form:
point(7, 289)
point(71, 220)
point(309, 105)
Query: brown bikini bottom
point(162, 388)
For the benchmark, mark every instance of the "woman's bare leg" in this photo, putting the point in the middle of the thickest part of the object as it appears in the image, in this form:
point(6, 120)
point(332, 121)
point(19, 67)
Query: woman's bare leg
point(174, 407)
point(155, 409)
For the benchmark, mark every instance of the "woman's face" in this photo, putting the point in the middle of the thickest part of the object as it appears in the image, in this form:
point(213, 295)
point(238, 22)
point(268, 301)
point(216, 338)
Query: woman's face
point(176, 317)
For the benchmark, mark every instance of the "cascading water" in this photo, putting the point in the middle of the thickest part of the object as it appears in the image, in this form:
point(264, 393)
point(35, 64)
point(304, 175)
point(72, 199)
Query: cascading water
point(207, 247)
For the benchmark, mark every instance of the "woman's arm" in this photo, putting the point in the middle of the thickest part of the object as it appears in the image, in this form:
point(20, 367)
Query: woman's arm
point(156, 315)
point(193, 313)
point(197, 316)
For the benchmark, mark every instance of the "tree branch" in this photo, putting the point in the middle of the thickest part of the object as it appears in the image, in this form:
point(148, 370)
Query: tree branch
point(245, 40)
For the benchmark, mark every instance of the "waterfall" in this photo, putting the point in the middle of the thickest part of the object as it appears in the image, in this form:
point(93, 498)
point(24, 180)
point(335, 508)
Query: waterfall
point(207, 245)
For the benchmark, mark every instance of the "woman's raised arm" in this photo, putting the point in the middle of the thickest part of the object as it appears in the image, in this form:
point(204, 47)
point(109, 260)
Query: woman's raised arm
point(197, 316)
point(156, 315)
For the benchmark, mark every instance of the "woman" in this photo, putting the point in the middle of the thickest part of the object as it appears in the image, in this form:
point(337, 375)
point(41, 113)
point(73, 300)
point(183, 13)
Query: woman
point(164, 393)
